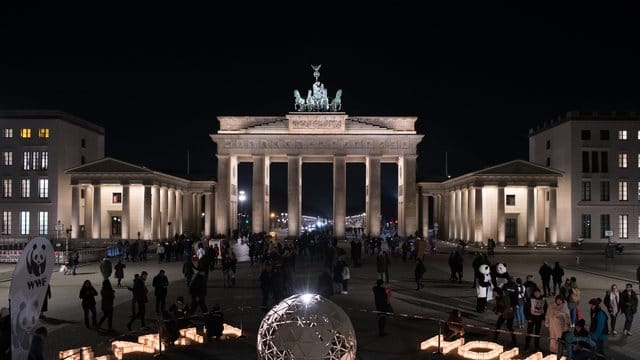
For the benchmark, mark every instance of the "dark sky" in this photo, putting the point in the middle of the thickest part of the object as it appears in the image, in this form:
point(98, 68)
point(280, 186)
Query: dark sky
point(478, 77)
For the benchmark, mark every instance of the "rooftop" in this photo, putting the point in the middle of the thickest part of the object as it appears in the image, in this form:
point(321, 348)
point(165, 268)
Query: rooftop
point(50, 114)
point(586, 116)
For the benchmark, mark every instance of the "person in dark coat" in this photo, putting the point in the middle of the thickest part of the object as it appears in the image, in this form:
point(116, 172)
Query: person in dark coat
point(45, 302)
point(458, 265)
point(198, 291)
point(418, 273)
point(160, 284)
point(381, 300)
point(108, 295)
point(140, 292)
point(120, 271)
point(88, 295)
point(325, 284)
point(214, 323)
point(535, 310)
point(557, 274)
point(266, 279)
point(36, 352)
point(545, 275)
point(187, 270)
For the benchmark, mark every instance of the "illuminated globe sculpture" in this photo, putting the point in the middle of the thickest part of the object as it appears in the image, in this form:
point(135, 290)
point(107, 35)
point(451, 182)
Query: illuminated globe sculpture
point(306, 326)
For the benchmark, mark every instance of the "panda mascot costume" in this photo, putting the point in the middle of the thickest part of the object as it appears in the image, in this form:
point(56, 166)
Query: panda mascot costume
point(500, 274)
point(484, 289)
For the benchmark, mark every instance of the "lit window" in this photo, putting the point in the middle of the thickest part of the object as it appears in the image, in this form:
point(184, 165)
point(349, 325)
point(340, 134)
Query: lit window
point(638, 139)
point(6, 223)
point(511, 200)
point(8, 133)
point(622, 191)
point(44, 160)
point(638, 226)
point(25, 133)
point(25, 188)
point(43, 133)
point(43, 222)
point(623, 226)
point(7, 190)
point(24, 223)
point(35, 157)
point(116, 198)
point(26, 161)
point(43, 188)
point(7, 158)
point(623, 160)
point(622, 135)
point(638, 190)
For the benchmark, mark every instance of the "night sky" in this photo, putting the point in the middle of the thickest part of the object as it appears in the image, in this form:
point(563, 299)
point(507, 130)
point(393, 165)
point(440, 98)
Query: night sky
point(478, 77)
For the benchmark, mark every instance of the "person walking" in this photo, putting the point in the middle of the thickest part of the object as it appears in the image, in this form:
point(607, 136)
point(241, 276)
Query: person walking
point(381, 299)
point(140, 292)
point(545, 272)
point(120, 271)
point(160, 284)
point(418, 272)
point(75, 260)
point(504, 310)
point(381, 266)
point(629, 306)
point(556, 274)
point(557, 320)
point(88, 295)
point(612, 303)
point(187, 270)
point(108, 295)
point(598, 328)
point(535, 309)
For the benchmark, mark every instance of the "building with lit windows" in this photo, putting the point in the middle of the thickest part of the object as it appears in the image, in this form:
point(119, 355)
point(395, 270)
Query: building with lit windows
point(599, 155)
point(37, 147)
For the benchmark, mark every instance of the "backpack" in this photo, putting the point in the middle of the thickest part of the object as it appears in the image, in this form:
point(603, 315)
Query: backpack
point(574, 295)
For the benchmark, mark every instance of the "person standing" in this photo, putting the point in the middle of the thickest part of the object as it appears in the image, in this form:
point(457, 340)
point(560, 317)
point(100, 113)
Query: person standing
point(75, 260)
point(612, 303)
point(505, 313)
point(346, 275)
point(265, 283)
point(106, 268)
point(545, 275)
point(629, 306)
point(418, 272)
point(535, 309)
point(36, 351)
point(574, 300)
point(108, 295)
point(198, 292)
point(557, 320)
point(160, 284)
point(88, 295)
point(598, 328)
point(556, 274)
point(140, 292)
point(187, 270)
point(383, 306)
point(120, 271)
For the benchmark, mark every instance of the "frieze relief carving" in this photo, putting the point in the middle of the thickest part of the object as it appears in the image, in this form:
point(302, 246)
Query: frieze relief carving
point(286, 144)
point(316, 124)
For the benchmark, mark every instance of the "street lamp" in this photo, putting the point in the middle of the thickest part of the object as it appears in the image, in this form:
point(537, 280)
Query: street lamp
point(59, 227)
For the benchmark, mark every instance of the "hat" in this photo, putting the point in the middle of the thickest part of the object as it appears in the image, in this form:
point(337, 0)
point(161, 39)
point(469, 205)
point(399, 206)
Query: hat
point(580, 323)
point(595, 302)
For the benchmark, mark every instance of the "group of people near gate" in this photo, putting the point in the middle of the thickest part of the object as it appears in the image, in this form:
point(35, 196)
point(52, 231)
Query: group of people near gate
point(525, 303)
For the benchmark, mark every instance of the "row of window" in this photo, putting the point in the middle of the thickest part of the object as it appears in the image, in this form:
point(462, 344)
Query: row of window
point(25, 188)
point(34, 160)
point(605, 224)
point(623, 191)
point(25, 133)
point(604, 135)
point(24, 223)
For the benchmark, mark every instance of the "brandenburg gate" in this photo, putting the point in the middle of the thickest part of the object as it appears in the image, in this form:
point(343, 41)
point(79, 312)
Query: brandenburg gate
point(316, 132)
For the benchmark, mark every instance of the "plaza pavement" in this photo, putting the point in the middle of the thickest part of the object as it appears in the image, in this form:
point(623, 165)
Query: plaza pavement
point(240, 304)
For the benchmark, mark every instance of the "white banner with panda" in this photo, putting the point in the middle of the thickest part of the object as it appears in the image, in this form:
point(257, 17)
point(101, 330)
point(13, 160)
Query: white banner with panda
point(28, 288)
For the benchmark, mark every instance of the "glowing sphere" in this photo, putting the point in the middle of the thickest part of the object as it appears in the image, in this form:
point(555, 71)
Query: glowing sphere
point(306, 326)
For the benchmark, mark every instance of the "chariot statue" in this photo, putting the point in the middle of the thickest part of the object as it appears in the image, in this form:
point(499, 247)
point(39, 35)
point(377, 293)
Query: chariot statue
point(317, 99)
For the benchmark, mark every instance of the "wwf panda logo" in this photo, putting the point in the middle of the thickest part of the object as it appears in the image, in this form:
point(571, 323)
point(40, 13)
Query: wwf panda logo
point(24, 323)
point(37, 259)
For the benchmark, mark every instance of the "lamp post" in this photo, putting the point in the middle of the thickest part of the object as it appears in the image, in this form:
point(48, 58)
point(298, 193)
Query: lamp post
point(59, 226)
point(272, 224)
point(66, 244)
point(241, 198)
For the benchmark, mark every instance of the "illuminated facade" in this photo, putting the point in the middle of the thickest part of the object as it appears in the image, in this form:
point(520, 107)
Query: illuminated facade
point(599, 155)
point(37, 146)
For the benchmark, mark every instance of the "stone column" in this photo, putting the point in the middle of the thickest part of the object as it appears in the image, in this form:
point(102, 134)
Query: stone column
point(425, 215)
point(164, 213)
point(223, 195)
point(187, 213)
point(126, 218)
point(449, 211)
point(266, 219)
point(75, 211)
point(88, 212)
point(208, 216)
point(258, 194)
point(294, 172)
point(233, 191)
point(146, 213)
point(456, 214)
point(179, 212)
point(408, 221)
point(501, 217)
point(96, 226)
point(464, 210)
point(339, 196)
point(197, 209)
point(478, 225)
point(155, 216)
point(531, 216)
point(373, 195)
point(553, 215)
point(540, 214)
point(471, 214)
point(171, 210)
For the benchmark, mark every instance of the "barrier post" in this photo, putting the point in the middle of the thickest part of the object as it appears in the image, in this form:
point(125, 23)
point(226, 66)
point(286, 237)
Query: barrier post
point(438, 355)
